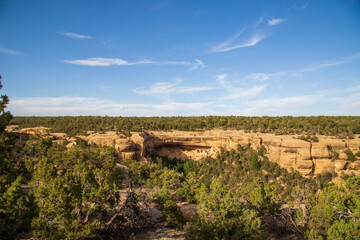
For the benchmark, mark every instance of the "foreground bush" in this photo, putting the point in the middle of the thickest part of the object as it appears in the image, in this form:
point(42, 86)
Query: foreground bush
point(223, 216)
point(77, 194)
point(16, 207)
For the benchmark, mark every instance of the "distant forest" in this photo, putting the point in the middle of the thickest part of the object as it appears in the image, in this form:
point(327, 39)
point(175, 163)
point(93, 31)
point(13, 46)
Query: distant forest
point(341, 126)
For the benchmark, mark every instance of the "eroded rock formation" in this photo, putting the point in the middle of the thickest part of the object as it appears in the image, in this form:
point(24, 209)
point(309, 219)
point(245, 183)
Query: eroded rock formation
point(286, 150)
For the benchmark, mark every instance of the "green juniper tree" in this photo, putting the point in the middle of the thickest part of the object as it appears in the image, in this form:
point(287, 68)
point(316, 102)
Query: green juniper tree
point(15, 206)
point(76, 190)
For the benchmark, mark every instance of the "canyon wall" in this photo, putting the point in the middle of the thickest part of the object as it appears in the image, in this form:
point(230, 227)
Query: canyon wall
point(286, 150)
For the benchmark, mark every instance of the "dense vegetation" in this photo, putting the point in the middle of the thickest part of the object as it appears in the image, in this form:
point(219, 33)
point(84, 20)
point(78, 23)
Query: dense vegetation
point(340, 126)
point(240, 195)
point(54, 192)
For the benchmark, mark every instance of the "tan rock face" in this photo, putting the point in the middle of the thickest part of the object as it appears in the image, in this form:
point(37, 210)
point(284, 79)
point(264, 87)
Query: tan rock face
point(320, 150)
point(341, 165)
point(323, 166)
point(107, 139)
point(32, 131)
point(305, 165)
point(286, 150)
point(353, 144)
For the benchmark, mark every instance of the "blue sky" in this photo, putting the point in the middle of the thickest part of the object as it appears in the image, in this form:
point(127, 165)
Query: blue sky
point(180, 58)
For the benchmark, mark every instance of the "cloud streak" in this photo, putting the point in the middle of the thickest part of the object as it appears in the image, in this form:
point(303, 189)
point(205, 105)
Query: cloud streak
point(75, 106)
point(262, 77)
point(274, 21)
point(299, 7)
point(235, 93)
point(326, 64)
point(75, 35)
point(343, 102)
point(255, 35)
point(167, 88)
point(348, 105)
point(10, 51)
point(176, 108)
point(105, 62)
point(303, 7)
point(68, 105)
point(278, 106)
point(231, 45)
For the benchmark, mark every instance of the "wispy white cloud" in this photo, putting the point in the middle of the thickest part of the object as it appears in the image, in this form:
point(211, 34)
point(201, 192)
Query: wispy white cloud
point(256, 38)
point(236, 93)
point(259, 21)
point(303, 7)
point(176, 108)
point(75, 35)
point(230, 44)
point(278, 106)
point(99, 62)
point(347, 105)
point(166, 88)
point(221, 77)
point(326, 64)
point(274, 21)
point(299, 6)
point(352, 57)
point(75, 106)
point(70, 105)
point(193, 65)
point(10, 51)
point(225, 44)
point(322, 65)
point(342, 101)
point(253, 36)
point(94, 62)
point(105, 88)
point(262, 77)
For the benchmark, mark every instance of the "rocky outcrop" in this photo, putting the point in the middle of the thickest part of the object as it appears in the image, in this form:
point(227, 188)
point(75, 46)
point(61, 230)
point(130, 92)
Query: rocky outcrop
point(128, 148)
point(286, 150)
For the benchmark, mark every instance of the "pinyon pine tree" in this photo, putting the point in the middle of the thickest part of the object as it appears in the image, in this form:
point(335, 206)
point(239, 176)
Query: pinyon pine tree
point(15, 207)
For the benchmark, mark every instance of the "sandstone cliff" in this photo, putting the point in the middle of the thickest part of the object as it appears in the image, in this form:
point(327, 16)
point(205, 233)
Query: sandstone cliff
point(286, 150)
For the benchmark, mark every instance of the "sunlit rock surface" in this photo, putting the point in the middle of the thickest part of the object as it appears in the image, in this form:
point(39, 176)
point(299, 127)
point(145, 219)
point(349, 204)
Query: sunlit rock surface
point(286, 150)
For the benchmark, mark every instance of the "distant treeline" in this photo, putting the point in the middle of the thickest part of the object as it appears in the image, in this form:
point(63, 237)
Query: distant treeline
point(342, 126)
